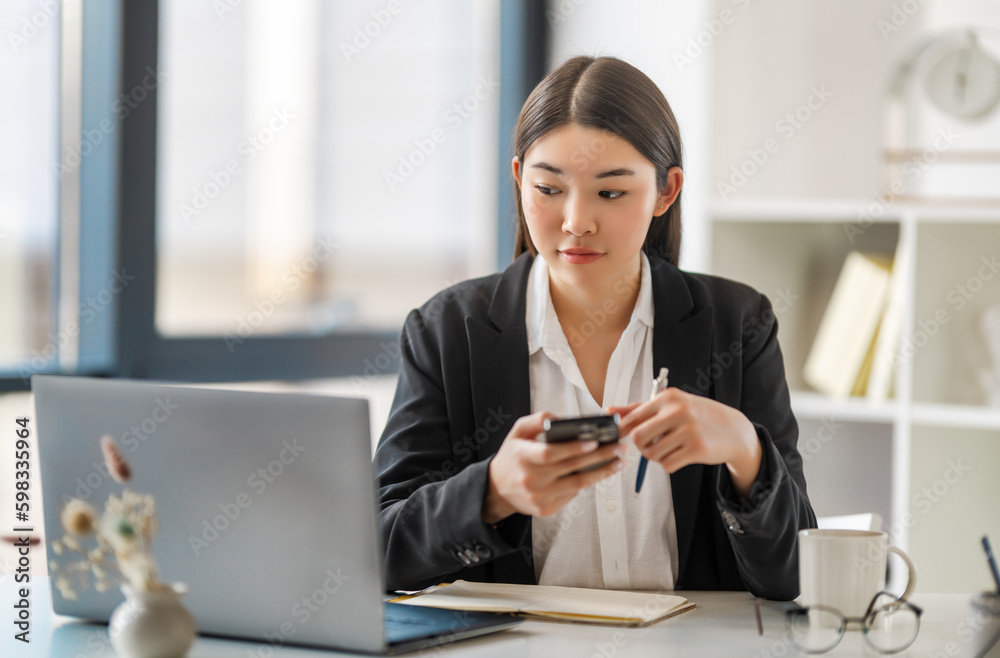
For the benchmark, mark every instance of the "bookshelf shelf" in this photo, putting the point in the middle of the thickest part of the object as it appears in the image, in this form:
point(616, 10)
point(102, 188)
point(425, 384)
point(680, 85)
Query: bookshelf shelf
point(807, 211)
point(957, 416)
point(841, 210)
point(795, 249)
point(807, 404)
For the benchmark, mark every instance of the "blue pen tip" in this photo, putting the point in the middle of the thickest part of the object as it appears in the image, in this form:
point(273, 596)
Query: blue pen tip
point(641, 474)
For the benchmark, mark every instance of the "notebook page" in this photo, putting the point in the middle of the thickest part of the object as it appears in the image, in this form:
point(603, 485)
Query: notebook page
point(565, 602)
point(486, 597)
point(644, 606)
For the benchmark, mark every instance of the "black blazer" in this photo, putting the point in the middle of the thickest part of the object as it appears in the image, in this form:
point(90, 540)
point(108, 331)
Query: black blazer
point(464, 381)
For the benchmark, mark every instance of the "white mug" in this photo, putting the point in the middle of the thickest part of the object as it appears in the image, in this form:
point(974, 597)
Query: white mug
point(845, 569)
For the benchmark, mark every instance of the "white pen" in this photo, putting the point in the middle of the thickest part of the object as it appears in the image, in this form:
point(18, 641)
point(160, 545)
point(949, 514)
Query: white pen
point(659, 384)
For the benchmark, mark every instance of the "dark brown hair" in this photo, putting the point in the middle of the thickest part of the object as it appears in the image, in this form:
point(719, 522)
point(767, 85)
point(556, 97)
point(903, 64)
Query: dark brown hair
point(612, 95)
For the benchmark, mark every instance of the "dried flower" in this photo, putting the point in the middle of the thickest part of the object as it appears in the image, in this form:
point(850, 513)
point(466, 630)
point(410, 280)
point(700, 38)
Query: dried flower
point(140, 572)
point(123, 533)
point(117, 465)
point(78, 519)
point(64, 588)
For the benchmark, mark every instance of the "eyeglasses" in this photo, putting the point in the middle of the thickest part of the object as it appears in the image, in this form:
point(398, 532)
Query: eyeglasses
point(889, 625)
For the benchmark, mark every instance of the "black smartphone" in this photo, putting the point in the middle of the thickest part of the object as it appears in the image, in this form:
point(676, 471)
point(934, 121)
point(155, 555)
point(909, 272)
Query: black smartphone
point(603, 429)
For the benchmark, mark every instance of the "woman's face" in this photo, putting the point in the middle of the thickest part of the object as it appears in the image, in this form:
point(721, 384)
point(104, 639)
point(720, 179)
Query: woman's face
point(588, 198)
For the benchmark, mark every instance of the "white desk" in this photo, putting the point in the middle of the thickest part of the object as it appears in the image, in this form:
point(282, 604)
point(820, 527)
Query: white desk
point(722, 625)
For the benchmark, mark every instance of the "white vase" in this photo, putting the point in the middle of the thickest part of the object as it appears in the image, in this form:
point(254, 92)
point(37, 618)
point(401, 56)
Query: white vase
point(152, 624)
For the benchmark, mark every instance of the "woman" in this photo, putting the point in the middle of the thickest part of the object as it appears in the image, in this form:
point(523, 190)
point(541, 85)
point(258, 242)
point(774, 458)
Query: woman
point(592, 306)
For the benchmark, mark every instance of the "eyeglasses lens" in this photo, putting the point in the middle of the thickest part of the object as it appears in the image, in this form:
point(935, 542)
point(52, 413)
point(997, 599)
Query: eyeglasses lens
point(815, 630)
point(892, 626)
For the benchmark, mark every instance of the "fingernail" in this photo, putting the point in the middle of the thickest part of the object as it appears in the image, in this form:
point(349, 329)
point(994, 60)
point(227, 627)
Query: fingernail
point(621, 464)
point(620, 450)
point(591, 446)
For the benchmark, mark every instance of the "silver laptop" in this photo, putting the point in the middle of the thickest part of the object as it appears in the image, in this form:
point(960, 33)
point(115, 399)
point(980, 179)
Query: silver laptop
point(266, 503)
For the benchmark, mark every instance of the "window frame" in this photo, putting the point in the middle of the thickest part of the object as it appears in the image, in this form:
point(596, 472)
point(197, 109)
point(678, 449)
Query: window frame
point(121, 217)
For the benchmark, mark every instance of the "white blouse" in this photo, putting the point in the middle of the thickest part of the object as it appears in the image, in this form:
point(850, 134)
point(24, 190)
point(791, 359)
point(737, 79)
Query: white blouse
point(607, 536)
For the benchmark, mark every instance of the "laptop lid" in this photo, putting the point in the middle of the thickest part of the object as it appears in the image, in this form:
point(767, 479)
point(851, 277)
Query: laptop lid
point(266, 502)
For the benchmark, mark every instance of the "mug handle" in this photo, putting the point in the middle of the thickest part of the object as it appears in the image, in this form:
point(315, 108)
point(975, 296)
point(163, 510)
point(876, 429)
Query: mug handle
point(911, 576)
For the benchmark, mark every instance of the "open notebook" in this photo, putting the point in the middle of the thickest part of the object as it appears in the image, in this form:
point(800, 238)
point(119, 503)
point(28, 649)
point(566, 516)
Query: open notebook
point(545, 602)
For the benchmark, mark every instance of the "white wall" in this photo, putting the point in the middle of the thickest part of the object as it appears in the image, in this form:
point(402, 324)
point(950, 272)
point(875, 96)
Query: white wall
point(943, 15)
point(769, 64)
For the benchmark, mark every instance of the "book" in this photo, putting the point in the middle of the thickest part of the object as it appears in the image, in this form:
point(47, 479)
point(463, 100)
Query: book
point(860, 387)
point(843, 350)
point(880, 384)
point(552, 603)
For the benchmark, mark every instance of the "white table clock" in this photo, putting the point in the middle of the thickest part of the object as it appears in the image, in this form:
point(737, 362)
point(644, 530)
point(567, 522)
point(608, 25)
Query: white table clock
point(965, 81)
point(942, 125)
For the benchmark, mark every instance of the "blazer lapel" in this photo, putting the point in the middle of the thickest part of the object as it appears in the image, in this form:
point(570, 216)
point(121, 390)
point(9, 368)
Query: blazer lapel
point(682, 342)
point(498, 358)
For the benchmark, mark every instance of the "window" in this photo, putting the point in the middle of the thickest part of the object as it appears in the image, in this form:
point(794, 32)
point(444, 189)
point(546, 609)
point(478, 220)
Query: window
point(321, 166)
point(29, 184)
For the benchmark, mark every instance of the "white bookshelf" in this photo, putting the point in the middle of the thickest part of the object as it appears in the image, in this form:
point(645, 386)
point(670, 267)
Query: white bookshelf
point(888, 457)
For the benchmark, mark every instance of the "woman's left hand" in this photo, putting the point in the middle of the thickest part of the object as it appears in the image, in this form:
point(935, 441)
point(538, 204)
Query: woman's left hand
point(676, 428)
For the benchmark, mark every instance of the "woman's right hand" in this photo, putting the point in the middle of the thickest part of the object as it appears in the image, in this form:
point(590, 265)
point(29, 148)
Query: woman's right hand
point(538, 479)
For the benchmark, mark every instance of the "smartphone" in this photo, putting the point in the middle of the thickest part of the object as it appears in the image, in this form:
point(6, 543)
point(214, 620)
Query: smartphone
point(603, 429)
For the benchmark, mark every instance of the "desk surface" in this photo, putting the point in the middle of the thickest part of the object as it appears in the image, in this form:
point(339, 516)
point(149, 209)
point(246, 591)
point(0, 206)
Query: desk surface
point(723, 624)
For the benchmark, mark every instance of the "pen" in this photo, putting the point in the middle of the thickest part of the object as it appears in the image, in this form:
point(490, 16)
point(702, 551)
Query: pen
point(992, 561)
point(659, 384)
